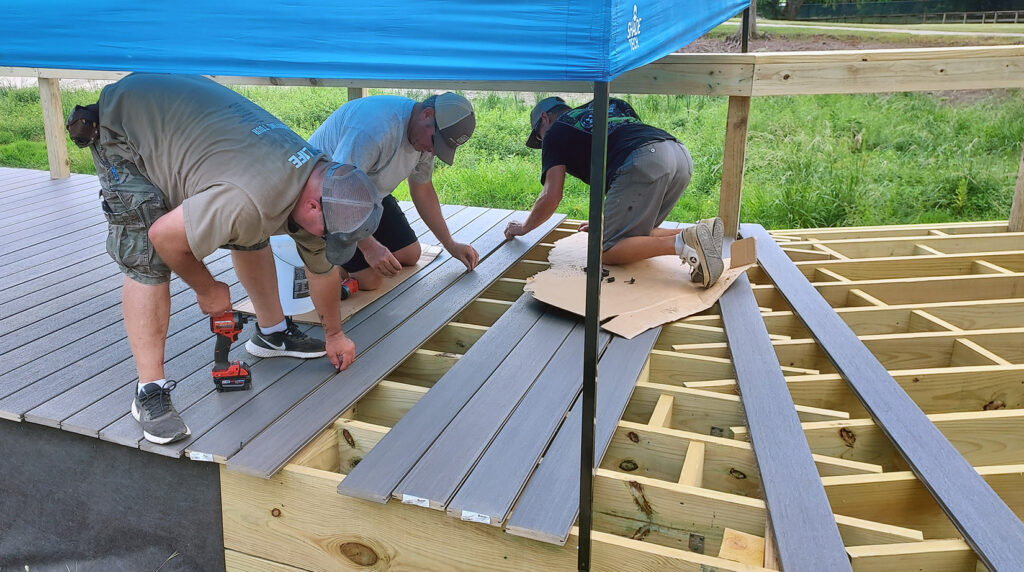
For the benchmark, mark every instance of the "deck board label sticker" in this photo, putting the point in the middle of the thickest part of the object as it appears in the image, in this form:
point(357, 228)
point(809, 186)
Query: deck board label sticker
point(418, 501)
point(197, 456)
point(475, 517)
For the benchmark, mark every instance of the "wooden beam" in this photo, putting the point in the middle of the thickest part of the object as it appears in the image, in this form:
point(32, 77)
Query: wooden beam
point(951, 555)
point(53, 127)
point(693, 465)
point(357, 92)
point(1016, 223)
point(979, 514)
point(299, 516)
point(735, 152)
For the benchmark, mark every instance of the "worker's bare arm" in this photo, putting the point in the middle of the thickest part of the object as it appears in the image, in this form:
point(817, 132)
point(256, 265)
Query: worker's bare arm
point(545, 206)
point(170, 241)
point(424, 197)
point(325, 290)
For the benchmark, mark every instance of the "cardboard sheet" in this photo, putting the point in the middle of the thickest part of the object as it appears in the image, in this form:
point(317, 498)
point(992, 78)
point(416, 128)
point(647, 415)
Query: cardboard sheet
point(636, 296)
point(362, 298)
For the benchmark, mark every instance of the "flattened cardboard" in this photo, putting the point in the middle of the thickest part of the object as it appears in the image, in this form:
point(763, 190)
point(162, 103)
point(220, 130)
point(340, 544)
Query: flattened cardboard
point(636, 296)
point(362, 298)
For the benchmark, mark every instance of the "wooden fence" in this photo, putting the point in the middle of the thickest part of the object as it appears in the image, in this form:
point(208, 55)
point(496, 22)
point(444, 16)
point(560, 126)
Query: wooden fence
point(736, 76)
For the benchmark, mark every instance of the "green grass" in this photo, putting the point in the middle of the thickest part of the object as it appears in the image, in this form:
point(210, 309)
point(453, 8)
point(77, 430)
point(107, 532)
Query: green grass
point(812, 161)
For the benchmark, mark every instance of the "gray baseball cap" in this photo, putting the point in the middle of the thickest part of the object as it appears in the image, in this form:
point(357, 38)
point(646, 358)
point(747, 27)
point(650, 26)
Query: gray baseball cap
point(543, 106)
point(351, 208)
point(454, 123)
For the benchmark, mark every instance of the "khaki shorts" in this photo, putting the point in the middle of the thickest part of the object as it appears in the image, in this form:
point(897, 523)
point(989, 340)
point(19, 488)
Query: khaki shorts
point(131, 204)
point(646, 187)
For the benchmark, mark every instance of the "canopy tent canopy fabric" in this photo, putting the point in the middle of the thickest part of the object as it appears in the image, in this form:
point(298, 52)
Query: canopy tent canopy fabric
point(562, 40)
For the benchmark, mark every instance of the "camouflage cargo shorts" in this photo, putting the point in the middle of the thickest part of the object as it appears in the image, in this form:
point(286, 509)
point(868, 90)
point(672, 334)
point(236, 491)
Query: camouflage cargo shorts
point(131, 204)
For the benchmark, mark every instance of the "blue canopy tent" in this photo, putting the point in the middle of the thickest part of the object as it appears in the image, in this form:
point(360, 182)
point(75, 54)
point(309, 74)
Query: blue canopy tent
point(589, 41)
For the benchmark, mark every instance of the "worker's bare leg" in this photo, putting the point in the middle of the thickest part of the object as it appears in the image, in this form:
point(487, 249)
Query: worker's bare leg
point(255, 270)
point(634, 248)
point(370, 279)
point(147, 312)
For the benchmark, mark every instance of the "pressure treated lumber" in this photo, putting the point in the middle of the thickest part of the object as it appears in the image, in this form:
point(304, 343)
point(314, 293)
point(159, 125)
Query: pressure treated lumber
point(550, 502)
point(979, 514)
point(1016, 223)
point(53, 121)
point(806, 536)
point(735, 152)
point(379, 472)
point(269, 451)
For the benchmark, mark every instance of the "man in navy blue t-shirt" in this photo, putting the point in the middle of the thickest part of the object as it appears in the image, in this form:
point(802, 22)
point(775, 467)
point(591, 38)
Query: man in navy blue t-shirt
point(647, 172)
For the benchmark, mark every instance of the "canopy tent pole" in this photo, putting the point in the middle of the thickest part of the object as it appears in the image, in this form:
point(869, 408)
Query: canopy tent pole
point(598, 159)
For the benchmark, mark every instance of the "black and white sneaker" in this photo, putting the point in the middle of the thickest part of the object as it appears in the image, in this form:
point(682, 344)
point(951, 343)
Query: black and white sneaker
point(291, 342)
point(701, 248)
point(160, 421)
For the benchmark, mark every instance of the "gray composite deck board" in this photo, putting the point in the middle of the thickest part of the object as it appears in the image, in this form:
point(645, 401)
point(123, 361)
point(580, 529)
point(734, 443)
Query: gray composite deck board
point(981, 516)
point(32, 281)
point(501, 473)
point(38, 259)
point(238, 428)
point(84, 197)
point(204, 410)
point(53, 234)
point(272, 448)
point(379, 472)
point(188, 352)
point(66, 392)
point(55, 221)
point(439, 472)
point(806, 535)
point(44, 294)
point(43, 193)
point(550, 502)
point(44, 271)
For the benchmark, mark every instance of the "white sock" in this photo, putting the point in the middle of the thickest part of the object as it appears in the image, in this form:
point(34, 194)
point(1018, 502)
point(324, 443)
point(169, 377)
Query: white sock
point(160, 382)
point(684, 250)
point(274, 329)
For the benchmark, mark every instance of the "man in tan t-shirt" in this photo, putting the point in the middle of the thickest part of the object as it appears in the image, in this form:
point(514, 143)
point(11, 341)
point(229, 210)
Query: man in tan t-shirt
point(187, 166)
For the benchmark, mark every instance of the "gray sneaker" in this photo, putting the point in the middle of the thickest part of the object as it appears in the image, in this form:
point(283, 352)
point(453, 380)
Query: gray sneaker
point(161, 423)
point(706, 238)
point(292, 343)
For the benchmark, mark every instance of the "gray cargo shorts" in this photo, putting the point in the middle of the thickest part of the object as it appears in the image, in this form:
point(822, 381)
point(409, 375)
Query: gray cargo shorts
point(131, 204)
point(646, 187)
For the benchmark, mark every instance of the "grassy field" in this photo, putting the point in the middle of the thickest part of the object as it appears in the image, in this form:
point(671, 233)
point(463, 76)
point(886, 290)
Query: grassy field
point(812, 161)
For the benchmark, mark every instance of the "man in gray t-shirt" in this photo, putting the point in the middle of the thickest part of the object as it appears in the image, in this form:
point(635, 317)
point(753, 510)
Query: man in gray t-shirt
point(186, 166)
point(393, 139)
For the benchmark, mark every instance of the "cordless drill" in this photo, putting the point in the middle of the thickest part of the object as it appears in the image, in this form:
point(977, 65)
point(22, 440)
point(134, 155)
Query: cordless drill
point(349, 286)
point(228, 375)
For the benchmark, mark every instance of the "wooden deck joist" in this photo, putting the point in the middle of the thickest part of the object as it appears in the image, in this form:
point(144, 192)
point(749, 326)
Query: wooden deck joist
point(979, 514)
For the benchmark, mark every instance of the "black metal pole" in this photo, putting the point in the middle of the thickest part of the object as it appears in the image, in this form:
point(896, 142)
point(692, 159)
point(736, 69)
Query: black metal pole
point(746, 30)
point(598, 160)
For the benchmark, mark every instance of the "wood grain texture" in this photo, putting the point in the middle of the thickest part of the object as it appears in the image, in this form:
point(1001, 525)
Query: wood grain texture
point(379, 472)
point(53, 127)
point(549, 503)
point(1016, 223)
point(734, 156)
point(806, 535)
point(985, 521)
point(270, 450)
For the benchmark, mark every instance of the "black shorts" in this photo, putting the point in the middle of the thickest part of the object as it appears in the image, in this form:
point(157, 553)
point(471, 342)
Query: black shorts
point(394, 232)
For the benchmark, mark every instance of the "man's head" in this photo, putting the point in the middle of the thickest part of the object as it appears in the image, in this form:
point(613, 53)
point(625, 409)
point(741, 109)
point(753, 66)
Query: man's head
point(542, 116)
point(340, 203)
point(441, 123)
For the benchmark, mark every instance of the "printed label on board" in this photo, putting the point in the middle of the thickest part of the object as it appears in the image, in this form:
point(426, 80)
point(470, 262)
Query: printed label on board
point(475, 517)
point(409, 499)
point(300, 284)
point(196, 456)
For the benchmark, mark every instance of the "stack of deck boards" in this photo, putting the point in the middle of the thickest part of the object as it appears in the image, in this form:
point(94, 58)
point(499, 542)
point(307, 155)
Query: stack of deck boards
point(471, 445)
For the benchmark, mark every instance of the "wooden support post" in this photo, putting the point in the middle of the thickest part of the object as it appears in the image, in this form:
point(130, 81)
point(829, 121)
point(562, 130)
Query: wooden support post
point(1017, 209)
point(357, 92)
point(732, 164)
point(53, 127)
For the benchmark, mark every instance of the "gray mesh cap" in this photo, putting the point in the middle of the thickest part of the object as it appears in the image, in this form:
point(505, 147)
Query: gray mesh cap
point(543, 106)
point(454, 122)
point(351, 210)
